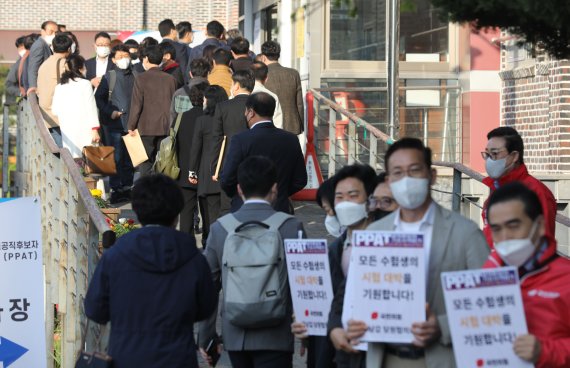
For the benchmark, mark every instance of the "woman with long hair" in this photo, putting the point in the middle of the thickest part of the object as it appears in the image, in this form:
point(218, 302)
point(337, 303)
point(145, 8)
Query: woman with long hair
point(201, 169)
point(74, 104)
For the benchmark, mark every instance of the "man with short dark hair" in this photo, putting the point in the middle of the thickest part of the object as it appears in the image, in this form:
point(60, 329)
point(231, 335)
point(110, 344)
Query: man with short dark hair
point(169, 63)
point(240, 52)
point(39, 52)
point(229, 121)
point(214, 36)
point(11, 83)
point(170, 36)
point(199, 69)
point(264, 347)
point(260, 71)
point(411, 176)
point(151, 119)
point(285, 83)
point(98, 65)
point(504, 162)
point(185, 34)
point(264, 139)
point(221, 74)
point(518, 227)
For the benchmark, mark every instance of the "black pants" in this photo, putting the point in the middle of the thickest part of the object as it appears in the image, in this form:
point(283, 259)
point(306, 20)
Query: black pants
point(187, 214)
point(261, 359)
point(210, 210)
point(151, 145)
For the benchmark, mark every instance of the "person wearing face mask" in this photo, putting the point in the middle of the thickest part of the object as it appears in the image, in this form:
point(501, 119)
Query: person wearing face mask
point(325, 200)
point(381, 203)
point(504, 162)
point(180, 54)
point(39, 52)
point(169, 64)
point(518, 226)
point(133, 46)
point(100, 64)
point(113, 101)
point(11, 83)
point(451, 242)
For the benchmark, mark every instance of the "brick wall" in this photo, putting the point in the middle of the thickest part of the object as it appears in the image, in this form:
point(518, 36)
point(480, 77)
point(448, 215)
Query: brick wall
point(114, 15)
point(536, 102)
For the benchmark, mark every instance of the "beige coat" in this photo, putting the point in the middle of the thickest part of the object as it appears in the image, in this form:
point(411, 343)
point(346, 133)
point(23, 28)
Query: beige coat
point(47, 80)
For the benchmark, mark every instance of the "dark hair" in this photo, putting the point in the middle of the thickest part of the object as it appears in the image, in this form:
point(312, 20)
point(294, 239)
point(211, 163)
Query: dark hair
point(256, 175)
point(245, 80)
point(214, 95)
point(233, 34)
point(271, 50)
point(168, 48)
point(30, 39)
point(513, 140)
point(119, 48)
point(131, 44)
point(165, 27)
point(262, 103)
point(408, 143)
point(157, 199)
point(381, 178)
point(200, 68)
point(146, 42)
point(260, 70)
point(61, 43)
point(215, 29)
point(60, 26)
point(154, 54)
point(364, 173)
point(208, 54)
point(74, 64)
point(197, 94)
point(115, 42)
point(46, 23)
point(20, 41)
point(326, 192)
point(73, 41)
point(183, 28)
point(222, 56)
point(101, 34)
point(240, 46)
point(516, 191)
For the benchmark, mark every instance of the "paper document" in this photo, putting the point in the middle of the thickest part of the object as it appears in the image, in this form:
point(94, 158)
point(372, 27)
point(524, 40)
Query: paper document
point(135, 148)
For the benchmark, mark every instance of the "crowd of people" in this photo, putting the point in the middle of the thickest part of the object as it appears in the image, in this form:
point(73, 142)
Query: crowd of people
point(237, 117)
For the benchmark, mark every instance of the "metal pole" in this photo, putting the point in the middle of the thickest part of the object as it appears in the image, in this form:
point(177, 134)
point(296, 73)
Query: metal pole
point(456, 200)
point(392, 64)
point(5, 153)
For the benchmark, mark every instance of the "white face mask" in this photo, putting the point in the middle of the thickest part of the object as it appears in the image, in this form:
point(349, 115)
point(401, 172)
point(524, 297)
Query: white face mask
point(49, 39)
point(515, 252)
point(410, 193)
point(496, 168)
point(73, 48)
point(103, 51)
point(22, 53)
point(333, 226)
point(350, 213)
point(123, 63)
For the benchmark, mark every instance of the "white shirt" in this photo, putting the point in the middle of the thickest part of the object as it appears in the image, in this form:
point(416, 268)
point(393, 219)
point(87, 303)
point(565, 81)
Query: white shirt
point(260, 122)
point(101, 66)
point(278, 114)
point(256, 201)
point(425, 226)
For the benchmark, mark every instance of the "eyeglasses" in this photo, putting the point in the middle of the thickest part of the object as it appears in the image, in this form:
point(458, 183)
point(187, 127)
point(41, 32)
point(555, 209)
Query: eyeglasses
point(413, 172)
point(383, 203)
point(492, 154)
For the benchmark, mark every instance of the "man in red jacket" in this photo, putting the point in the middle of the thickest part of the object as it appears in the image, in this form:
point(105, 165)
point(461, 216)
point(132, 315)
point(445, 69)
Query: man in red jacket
point(504, 163)
point(518, 227)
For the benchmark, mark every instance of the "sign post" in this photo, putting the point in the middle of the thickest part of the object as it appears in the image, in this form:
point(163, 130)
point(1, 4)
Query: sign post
point(22, 320)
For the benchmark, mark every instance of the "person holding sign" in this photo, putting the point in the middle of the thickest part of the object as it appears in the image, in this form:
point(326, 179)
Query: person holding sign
point(521, 237)
point(451, 243)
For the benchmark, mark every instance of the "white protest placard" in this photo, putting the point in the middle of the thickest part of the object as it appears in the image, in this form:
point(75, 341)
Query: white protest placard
point(22, 322)
point(485, 315)
point(387, 279)
point(310, 282)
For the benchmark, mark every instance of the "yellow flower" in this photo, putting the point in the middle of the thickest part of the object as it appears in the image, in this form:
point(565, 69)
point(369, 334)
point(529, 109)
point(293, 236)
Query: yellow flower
point(96, 192)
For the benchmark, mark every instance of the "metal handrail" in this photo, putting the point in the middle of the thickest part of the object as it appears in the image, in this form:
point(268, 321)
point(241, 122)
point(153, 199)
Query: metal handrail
point(382, 89)
point(458, 168)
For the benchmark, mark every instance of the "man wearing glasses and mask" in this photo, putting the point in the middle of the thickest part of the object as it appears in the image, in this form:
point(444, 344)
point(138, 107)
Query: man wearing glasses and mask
point(504, 163)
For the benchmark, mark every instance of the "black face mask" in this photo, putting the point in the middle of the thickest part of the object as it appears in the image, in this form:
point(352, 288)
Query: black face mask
point(378, 214)
point(134, 55)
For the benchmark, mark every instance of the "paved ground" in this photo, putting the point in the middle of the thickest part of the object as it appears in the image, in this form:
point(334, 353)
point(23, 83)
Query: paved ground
point(313, 219)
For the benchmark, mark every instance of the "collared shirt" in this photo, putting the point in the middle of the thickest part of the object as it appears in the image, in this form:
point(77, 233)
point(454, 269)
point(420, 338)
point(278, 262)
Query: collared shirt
point(260, 122)
point(425, 226)
point(101, 67)
point(256, 201)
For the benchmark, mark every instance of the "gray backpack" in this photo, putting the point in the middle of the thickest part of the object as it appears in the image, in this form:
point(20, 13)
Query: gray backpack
point(254, 272)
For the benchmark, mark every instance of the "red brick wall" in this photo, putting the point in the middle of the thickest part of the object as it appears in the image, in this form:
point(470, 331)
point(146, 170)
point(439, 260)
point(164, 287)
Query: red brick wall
point(536, 102)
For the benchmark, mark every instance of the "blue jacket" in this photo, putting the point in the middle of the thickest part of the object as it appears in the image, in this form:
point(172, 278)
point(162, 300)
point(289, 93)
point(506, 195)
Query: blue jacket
point(153, 284)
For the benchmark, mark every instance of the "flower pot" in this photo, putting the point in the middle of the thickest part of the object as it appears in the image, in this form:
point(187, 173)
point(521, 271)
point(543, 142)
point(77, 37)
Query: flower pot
point(112, 213)
point(90, 182)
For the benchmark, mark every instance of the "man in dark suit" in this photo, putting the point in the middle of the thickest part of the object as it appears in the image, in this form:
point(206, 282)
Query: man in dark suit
point(150, 105)
point(286, 84)
point(264, 139)
point(100, 64)
point(240, 52)
point(170, 35)
point(214, 34)
point(229, 120)
point(39, 52)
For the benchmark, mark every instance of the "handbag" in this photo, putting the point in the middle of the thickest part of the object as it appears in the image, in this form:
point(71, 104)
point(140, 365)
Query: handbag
point(166, 161)
point(95, 359)
point(99, 160)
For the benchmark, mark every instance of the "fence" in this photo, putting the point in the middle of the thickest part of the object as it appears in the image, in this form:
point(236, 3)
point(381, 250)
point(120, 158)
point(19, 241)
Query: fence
point(72, 226)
